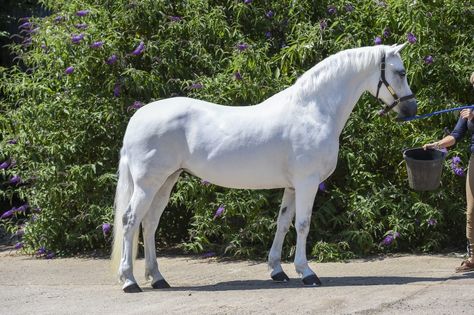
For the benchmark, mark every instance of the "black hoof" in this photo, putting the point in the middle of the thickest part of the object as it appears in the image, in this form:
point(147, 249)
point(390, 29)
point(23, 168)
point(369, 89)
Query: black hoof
point(161, 284)
point(312, 281)
point(280, 277)
point(133, 288)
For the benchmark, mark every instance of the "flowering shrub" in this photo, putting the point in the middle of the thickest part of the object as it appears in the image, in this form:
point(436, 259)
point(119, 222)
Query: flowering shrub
point(82, 72)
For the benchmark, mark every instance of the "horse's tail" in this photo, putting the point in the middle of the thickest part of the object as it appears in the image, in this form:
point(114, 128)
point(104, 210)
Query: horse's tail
point(122, 199)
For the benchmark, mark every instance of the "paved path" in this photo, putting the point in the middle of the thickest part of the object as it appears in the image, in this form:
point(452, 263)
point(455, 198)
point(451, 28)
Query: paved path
point(395, 285)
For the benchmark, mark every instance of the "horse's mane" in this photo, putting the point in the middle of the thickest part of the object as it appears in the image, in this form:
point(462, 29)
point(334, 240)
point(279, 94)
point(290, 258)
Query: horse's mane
point(333, 67)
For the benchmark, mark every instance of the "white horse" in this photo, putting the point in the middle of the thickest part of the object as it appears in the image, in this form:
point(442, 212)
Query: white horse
point(289, 141)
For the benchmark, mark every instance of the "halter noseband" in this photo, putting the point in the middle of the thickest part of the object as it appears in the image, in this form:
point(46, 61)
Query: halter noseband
point(382, 80)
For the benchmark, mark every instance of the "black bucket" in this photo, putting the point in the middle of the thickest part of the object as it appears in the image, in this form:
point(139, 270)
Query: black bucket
point(424, 168)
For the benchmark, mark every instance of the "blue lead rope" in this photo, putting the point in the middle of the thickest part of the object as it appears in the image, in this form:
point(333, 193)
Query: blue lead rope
point(437, 113)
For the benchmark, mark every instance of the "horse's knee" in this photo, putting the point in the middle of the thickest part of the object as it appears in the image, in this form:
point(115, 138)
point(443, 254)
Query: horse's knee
point(303, 226)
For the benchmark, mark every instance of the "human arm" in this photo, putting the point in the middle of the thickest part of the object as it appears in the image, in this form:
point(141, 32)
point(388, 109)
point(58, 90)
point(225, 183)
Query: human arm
point(441, 144)
point(458, 132)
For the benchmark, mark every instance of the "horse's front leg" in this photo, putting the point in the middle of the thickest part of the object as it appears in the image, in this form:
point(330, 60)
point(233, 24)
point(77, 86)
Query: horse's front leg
point(305, 192)
point(287, 212)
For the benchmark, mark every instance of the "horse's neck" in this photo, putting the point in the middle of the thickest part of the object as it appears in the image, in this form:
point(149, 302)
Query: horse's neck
point(333, 96)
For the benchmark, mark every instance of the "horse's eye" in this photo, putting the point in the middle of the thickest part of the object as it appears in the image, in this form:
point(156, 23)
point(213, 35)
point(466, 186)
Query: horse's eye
point(402, 73)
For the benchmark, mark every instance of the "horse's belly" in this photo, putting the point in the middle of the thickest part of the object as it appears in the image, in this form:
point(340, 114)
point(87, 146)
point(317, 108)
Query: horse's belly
point(248, 175)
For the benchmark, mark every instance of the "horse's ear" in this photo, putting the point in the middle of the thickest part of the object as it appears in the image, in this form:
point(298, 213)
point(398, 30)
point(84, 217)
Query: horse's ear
point(397, 48)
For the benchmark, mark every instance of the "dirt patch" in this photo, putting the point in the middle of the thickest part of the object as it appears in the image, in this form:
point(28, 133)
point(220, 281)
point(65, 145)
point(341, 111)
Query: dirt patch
point(405, 284)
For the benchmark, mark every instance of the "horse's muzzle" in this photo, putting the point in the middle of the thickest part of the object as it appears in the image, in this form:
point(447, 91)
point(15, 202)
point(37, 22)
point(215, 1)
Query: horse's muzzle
point(407, 109)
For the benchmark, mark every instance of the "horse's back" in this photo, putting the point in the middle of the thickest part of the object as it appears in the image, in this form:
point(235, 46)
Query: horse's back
point(206, 138)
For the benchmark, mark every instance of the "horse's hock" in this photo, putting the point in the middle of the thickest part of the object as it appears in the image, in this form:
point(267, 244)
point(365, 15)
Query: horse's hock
point(424, 168)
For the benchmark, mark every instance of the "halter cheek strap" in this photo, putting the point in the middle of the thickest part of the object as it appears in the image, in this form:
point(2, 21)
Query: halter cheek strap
point(383, 81)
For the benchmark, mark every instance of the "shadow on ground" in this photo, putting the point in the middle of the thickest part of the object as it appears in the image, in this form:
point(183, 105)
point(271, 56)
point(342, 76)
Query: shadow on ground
point(326, 282)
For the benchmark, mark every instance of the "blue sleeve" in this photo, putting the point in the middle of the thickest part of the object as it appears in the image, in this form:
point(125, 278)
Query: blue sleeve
point(460, 129)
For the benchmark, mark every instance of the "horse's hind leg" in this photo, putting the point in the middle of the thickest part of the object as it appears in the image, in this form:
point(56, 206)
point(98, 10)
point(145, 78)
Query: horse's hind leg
point(150, 223)
point(143, 192)
point(287, 212)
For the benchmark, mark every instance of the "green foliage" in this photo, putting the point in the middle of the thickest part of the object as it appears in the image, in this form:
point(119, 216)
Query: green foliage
point(69, 127)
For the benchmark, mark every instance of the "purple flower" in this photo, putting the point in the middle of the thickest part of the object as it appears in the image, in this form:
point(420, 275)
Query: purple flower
point(396, 235)
point(377, 40)
point(76, 39)
point(135, 105)
point(22, 208)
point(175, 18)
point(219, 211)
point(20, 232)
point(83, 12)
point(332, 10)
point(248, 1)
point(428, 59)
point(111, 60)
point(5, 165)
point(322, 187)
point(69, 70)
point(7, 214)
point(117, 89)
point(323, 24)
point(81, 26)
point(18, 245)
point(242, 46)
point(25, 25)
point(349, 7)
point(432, 222)
point(97, 44)
point(455, 161)
point(208, 255)
point(386, 32)
point(411, 38)
point(139, 50)
point(15, 180)
point(41, 251)
point(388, 240)
point(238, 76)
point(50, 255)
point(196, 86)
point(106, 228)
point(205, 182)
point(37, 209)
point(58, 19)
point(268, 34)
point(458, 171)
point(12, 141)
point(270, 14)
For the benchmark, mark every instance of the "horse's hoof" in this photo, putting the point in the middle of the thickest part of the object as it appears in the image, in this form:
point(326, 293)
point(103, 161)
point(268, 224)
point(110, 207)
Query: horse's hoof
point(133, 288)
point(312, 281)
point(161, 284)
point(280, 277)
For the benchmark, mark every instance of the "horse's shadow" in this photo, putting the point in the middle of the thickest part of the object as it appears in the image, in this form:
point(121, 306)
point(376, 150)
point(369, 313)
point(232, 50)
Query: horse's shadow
point(342, 281)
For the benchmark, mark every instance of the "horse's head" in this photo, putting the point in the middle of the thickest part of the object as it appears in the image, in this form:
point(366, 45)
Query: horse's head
point(393, 89)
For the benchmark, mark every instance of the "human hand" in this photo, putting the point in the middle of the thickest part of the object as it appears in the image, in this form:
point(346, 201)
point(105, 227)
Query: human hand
point(434, 145)
point(467, 114)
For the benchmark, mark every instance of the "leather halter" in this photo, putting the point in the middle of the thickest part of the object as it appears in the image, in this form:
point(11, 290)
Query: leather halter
point(382, 80)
